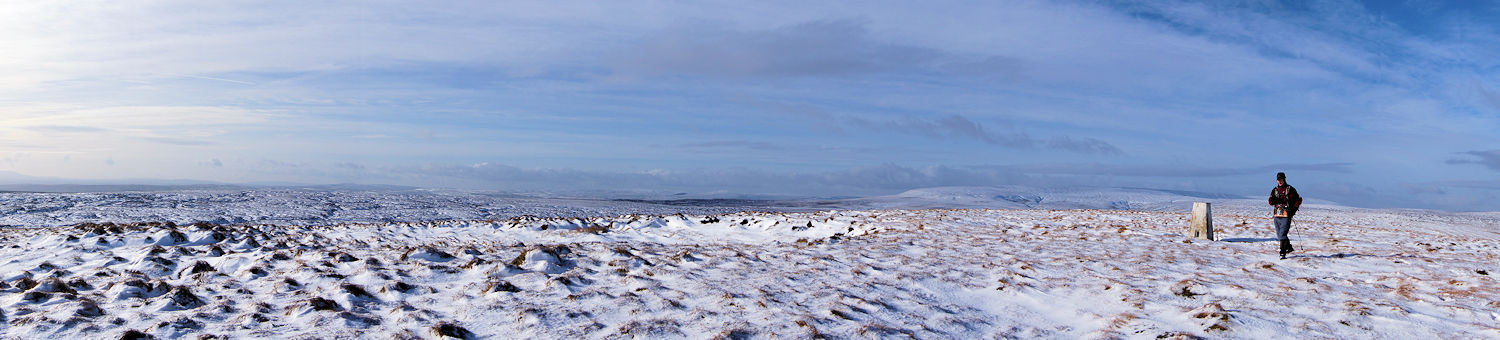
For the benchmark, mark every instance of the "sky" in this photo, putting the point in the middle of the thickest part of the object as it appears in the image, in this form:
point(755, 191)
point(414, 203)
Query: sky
point(1374, 104)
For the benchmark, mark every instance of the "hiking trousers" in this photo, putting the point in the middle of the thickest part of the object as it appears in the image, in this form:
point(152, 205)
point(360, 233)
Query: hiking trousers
point(1284, 225)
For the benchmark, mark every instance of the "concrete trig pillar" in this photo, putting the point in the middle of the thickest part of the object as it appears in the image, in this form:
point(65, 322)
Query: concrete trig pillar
point(1203, 222)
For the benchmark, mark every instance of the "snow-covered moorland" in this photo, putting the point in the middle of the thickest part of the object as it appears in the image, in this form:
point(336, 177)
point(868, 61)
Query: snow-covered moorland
point(874, 273)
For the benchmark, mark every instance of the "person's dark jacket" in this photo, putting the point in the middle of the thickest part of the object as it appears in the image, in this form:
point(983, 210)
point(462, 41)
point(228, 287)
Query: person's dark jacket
point(1285, 197)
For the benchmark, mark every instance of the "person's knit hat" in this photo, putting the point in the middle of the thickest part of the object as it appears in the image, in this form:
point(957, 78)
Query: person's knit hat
point(1281, 176)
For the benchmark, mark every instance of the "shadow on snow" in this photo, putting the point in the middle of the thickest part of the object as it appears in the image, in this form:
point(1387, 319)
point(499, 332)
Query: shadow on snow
point(1249, 239)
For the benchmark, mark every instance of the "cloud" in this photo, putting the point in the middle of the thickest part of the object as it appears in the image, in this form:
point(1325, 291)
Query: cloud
point(349, 166)
point(816, 48)
point(1480, 184)
point(65, 129)
point(782, 148)
point(1172, 171)
point(14, 159)
point(1490, 97)
point(211, 78)
point(131, 119)
point(188, 40)
point(275, 164)
point(948, 127)
point(177, 141)
point(951, 126)
point(1336, 167)
point(1460, 195)
point(1487, 158)
point(960, 127)
point(894, 177)
point(1082, 145)
point(736, 144)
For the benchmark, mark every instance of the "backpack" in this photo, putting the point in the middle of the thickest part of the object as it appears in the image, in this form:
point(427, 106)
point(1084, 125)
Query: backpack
point(1291, 204)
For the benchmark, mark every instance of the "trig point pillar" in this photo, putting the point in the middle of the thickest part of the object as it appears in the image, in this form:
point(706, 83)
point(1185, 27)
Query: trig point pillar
point(1203, 222)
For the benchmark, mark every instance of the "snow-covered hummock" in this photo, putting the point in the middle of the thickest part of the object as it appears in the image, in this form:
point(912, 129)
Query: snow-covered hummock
point(856, 274)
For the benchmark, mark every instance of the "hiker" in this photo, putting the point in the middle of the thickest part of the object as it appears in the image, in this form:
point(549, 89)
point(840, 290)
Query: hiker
point(1286, 201)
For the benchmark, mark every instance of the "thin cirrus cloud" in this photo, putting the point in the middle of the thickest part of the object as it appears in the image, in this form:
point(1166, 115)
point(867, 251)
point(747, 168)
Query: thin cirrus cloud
point(949, 127)
point(65, 129)
point(956, 126)
point(736, 144)
point(1177, 171)
point(178, 141)
point(817, 48)
point(89, 128)
point(1487, 158)
point(1491, 97)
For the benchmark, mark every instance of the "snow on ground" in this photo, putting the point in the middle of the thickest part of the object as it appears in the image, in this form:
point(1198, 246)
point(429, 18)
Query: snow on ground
point(976, 273)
